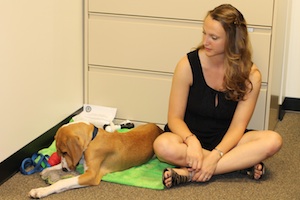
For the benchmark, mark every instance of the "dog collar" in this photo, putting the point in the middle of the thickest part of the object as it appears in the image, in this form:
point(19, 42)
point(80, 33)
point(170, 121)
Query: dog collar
point(95, 132)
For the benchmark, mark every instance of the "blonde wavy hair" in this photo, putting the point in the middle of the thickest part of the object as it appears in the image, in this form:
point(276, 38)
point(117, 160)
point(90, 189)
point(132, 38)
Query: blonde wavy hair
point(238, 56)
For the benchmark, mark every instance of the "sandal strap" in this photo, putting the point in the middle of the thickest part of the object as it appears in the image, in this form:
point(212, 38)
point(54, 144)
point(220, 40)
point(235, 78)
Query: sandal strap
point(176, 178)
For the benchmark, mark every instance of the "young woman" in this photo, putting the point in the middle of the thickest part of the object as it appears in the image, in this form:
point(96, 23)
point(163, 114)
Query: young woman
point(213, 96)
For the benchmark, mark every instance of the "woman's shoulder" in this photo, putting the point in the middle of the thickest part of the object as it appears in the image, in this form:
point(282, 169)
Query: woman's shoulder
point(183, 70)
point(183, 64)
point(187, 59)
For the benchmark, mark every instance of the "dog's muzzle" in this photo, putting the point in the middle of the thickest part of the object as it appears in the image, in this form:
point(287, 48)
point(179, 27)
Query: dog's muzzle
point(65, 169)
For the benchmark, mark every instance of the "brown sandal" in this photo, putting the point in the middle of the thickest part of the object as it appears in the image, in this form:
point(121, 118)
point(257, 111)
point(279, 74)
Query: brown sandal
point(176, 178)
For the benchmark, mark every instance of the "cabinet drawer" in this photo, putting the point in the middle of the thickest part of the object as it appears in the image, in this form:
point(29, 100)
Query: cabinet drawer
point(138, 43)
point(256, 12)
point(258, 118)
point(137, 96)
point(156, 44)
point(261, 44)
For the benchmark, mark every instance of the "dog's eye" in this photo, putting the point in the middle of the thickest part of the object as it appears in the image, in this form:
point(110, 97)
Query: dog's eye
point(64, 153)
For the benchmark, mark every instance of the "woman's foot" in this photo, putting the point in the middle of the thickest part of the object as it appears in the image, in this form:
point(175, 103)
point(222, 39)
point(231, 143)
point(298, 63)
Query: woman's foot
point(256, 172)
point(259, 171)
point(175, 176)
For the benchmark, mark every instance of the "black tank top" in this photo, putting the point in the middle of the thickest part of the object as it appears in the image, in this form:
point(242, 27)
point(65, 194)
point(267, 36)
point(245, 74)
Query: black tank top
point(208, 121)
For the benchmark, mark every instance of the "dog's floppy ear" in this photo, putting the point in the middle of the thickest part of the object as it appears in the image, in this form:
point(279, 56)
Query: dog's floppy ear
point(75, 146)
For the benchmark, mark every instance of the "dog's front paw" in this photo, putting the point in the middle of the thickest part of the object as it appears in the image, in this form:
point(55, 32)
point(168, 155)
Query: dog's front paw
point(45, 173)
point(48, 171)
point(38, 193)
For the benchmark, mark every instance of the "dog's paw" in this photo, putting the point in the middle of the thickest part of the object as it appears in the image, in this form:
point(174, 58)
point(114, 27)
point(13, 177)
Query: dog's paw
point(45, 172)
point(38, 193)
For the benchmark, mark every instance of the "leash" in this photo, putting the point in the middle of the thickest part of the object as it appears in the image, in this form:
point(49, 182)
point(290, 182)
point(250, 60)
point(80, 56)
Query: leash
point(30, 162)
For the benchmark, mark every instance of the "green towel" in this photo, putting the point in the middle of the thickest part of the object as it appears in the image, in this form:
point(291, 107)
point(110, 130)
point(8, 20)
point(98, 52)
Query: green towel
point(148, 175)
point(50, 150)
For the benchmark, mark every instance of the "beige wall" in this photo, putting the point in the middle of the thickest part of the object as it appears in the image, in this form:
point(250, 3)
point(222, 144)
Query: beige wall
point(292, 88)
point(41, 77)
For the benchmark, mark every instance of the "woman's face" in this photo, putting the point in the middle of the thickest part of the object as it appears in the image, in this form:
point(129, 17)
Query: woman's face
point(214, 37)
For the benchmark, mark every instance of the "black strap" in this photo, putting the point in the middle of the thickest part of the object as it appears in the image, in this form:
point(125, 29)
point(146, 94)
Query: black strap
point(95, 132)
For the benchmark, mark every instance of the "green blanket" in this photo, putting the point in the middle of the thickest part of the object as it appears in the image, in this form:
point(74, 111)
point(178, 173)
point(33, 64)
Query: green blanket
point(148, 175)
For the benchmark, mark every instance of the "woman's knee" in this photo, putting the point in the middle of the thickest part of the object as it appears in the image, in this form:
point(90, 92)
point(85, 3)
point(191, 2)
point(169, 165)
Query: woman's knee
point(160, 145)
point(164, 146)
point(274, 141)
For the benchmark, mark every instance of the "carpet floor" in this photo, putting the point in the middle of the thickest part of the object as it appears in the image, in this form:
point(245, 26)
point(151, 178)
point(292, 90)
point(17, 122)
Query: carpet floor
point(281, 182)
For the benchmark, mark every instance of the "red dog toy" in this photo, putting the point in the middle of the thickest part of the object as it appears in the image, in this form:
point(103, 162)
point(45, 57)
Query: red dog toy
point(54, 159)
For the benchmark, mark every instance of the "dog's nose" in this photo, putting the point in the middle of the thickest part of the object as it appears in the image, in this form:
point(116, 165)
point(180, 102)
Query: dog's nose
point(65, 169)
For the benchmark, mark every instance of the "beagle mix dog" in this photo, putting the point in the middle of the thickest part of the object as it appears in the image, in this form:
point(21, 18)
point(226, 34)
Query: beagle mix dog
point(103, 152)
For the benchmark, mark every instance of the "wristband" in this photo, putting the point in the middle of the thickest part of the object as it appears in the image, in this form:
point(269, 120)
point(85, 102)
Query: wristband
point(220, 152)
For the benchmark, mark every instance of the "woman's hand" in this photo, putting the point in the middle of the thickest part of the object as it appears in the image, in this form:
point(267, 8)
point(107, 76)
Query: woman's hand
point(194, 155)
point(208, 168)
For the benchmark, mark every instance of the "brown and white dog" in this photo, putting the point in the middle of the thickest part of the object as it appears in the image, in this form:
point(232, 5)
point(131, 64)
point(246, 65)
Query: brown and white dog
point(103, 152)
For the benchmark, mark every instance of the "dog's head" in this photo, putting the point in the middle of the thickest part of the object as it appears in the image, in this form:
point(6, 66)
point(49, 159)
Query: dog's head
point(70, 144)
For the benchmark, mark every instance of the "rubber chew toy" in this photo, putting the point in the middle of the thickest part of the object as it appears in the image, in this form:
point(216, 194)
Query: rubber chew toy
point(54, 159)
point(112, 127)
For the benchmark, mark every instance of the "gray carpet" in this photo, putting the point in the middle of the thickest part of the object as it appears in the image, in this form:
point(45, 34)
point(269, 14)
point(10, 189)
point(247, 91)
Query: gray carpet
point(282, 180)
